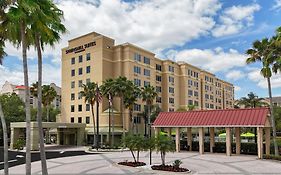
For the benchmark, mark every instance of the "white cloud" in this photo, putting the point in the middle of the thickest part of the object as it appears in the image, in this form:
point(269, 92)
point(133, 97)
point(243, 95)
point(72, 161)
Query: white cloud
point(237, 88)
point(277, 5)
point(214, 60)
point(234, 19)
point(255, 76)
point(234, 75)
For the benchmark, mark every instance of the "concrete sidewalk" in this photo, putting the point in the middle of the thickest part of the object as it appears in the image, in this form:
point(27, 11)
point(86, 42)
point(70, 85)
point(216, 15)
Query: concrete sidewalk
point(105, 163)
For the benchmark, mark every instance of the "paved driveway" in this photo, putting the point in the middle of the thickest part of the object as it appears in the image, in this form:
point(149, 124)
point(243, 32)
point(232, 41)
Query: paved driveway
point(105, 163)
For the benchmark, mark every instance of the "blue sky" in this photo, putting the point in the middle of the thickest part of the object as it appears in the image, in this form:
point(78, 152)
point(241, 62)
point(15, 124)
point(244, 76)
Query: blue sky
point(211, 34)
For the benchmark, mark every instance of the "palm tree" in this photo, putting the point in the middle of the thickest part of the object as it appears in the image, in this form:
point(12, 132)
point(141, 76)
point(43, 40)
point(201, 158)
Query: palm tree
point(148, 95)
point(262, 52)
point(252, 101)
point(89, 94)
point(107, 90)
point(48, 96)
point(16, 27)
point(121, 86)
point(2, 117)
point(130, 100)
point(164, 144)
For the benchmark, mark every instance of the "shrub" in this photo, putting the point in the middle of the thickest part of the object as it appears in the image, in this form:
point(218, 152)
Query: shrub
point(164, 144)
point(273, 157)
point(19, 144)
point(177, 163)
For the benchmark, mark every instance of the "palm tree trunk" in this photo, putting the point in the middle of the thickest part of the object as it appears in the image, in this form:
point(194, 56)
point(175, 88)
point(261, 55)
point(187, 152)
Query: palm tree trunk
point(276, 151)
point(132, 152)
point(39, 109)
point(132, 120)
point(27, 101)
point(48, 120)
point(122, 114)
point(5, 137)
point(112, 122)
point(94, 124)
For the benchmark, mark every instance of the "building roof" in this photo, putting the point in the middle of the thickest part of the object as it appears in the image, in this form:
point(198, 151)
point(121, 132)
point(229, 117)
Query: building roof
point(253, 117)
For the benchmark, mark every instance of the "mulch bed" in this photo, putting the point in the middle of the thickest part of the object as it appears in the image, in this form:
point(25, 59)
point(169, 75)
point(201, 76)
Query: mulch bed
point(132, 164)
point(169, 168)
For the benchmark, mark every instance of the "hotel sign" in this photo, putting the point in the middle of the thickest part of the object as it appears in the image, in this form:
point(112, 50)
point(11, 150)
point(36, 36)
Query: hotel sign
point(80, 48)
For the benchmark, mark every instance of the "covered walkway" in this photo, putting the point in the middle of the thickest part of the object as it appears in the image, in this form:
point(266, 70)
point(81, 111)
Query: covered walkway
point(230, 119)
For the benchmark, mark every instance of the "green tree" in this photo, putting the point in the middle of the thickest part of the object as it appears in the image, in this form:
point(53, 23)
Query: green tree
point(135, 143)
point(148, 95)
point(262, 51)
point(90, 97)
point(252, 101)
point(164, 144)
point(131, 97)
point(120, 87)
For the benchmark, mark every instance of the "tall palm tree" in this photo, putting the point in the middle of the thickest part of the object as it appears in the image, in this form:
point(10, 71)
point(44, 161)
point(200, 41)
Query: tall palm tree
point(89, 94)
point(46, 27)
point(121, 86)
point(107, 90)
point(262, 52)
point(252, 101)
point(2, 117)
point(148, 95)
point(48, 96)
point(130, 99)
point(16, 27)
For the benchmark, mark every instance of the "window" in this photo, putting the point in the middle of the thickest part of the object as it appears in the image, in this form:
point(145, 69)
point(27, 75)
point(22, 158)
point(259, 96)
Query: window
point(80, 59)
point(171, 90)
point(171, 69)
point(158, 100)
point(196, 103)
point(72, 96)
point(190, 82)
point(211, 106)
point(195, 83)
point(88, 69)
point(72, 119)
point(171, 100)
point(146, 83)
point(88, 80)
point(79, 108)
point(207, 105)
point(171, 79)
point(158, 89)
point(137, 82)
point(72, 108)
point(88, 56)
point(146, 60)
point(137, 70)
point(137, 107)
point(137, 119)
point(80, 83)
point(171, 109)
point(158, 78)
point(137, 57)
point(190, 102)
point(211, 97)
point(188, 72)
point(72, 72)
point(196, 93)
point(196, 74)
point(73, 60)
point(190, 92)
point(79, 95)
point(79, 119)
point(206, 87)
point(87, 120)
point(146, 72)
point(207, 96)
point(72, 84)
point(87, 107)
point(80, 71)
point(158, 67)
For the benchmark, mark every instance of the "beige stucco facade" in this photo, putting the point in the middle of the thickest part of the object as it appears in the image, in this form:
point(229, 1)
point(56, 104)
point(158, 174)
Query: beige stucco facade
point(178, 84)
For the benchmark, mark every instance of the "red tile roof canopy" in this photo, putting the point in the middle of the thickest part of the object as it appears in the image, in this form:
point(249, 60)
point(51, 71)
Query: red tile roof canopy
point(251, 117)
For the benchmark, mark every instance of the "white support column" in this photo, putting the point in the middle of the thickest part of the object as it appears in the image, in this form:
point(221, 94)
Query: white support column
point(169, 132)
point(228, 141)
point(189, 138)
point(177, 139)
point(34, 138)
point(212, 139)
point(156, 131)
point(238, 140)
point(260, 142)
point(267, 141)
point(201, 140)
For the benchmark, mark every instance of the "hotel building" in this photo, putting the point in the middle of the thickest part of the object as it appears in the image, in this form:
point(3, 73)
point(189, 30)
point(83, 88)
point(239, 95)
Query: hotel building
point(95, 58)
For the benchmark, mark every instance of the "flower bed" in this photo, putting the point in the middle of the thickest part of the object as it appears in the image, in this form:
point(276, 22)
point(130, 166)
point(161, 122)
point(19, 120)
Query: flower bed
point(132, 164)
point(169, 168)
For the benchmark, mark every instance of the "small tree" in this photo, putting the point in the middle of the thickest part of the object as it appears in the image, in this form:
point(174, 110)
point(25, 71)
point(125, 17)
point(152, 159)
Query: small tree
point(164, 144)
point(129, 142)
point(136, 144)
